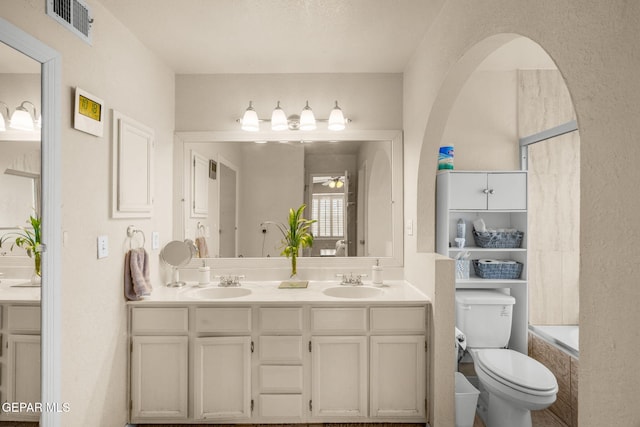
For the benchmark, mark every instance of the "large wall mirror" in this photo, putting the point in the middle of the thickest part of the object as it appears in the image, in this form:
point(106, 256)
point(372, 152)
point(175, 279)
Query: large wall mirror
point(20, 193)
point(234, 186)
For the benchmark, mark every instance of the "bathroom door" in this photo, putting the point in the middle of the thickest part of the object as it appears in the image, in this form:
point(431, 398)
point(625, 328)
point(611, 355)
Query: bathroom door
point(228, 209)
point(361, 206)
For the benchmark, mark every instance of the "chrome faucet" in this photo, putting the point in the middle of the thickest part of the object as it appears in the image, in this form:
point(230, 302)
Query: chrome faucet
point(351, 279)
point(229, 281)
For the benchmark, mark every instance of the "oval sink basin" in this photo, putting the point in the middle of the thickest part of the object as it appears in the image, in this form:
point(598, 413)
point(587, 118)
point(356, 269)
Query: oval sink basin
point(220, 293)
point(352, 292)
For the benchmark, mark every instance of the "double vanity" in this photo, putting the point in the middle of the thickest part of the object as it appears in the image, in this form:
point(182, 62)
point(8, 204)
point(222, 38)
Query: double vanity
point(259, 354)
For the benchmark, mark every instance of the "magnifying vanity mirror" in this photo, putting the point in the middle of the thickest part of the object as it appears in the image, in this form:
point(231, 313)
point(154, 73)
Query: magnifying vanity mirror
point(176, 254)
point(236, 185)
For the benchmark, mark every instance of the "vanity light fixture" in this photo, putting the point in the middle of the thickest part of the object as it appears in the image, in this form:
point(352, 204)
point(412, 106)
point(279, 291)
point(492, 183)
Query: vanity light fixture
point(22, 119)
point(280, 121)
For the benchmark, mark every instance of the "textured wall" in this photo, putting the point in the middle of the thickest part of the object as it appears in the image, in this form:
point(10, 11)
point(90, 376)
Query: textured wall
point(118, 69)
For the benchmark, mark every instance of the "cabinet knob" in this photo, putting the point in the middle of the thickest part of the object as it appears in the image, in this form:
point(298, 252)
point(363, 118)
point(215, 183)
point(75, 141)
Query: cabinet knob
point(491, 191)
point(485, 191)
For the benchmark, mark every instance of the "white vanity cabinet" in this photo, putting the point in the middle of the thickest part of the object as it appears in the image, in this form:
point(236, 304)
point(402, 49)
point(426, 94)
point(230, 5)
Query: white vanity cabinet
point(267, 363)
point(368, 363)
point(339, 367)
point(280, 371)
point(159, 364)
point(500, 199)
point(21, 339)
point(398, 362)
point(222, 363)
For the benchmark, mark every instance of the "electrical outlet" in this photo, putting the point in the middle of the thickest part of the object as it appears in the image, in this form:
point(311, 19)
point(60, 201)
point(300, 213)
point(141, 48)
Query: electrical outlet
point(155, 240)
point(103, 247)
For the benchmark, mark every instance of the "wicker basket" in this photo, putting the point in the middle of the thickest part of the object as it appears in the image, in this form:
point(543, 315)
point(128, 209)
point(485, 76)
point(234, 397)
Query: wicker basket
point(498, 239)
point(498, 270)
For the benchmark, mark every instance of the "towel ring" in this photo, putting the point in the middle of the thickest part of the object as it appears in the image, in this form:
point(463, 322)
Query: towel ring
point(131, 232)
point(201, 229)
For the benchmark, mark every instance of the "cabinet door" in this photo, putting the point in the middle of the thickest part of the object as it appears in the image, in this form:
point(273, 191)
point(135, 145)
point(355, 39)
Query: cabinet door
point(467, 191)
point(23, 366)
point(507, 191)
point(159, 377)
point(199, 186)
point(398, 381)
point(339, 376)
point(222, 377)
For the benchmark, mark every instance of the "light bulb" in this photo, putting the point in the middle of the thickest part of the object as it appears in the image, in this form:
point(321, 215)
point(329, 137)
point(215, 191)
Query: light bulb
point(279, 119)
point(307, 119)
point(250, 120)
point(336, 119)
point(339, 184)
point(21, 120)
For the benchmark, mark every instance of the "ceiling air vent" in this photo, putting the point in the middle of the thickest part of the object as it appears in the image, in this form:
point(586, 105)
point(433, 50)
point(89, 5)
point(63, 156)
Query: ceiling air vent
point(75, 15)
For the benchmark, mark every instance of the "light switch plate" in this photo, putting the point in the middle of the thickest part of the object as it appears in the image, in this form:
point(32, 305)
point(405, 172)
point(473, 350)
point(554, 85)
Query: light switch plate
point(155, 240)
point(103, 247)
point(409, 227)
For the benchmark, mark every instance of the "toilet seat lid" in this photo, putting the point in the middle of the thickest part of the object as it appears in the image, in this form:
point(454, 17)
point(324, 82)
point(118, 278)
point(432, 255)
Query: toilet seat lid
point(517, 369)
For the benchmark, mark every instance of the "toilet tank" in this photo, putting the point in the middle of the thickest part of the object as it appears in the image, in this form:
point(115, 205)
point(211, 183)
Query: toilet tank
point(484, 316)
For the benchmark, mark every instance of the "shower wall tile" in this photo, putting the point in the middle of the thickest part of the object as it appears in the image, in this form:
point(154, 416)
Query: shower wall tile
point(554, 199)
point(564, 367)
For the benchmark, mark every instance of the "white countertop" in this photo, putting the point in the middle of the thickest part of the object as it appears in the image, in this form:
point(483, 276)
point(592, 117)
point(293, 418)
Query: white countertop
point(18, 290)
point(393, 291)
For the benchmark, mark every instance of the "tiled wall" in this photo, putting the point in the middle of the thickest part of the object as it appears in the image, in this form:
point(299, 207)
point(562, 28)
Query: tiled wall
point(565, 368)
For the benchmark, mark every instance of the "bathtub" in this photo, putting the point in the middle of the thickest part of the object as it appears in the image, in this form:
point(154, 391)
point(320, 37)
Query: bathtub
point(565, 337)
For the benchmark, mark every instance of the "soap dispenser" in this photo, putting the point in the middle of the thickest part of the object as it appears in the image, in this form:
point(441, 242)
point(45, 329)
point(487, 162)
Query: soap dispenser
point(376, 273)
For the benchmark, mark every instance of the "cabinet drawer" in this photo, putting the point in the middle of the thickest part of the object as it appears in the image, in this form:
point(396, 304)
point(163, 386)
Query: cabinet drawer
point(339, 320)
point(23, 318)
point(281, 379)
point(274, 320)
point(278, 349)
point(160, 321)
point(398, 319)
point(281, 405)
point(224, 320)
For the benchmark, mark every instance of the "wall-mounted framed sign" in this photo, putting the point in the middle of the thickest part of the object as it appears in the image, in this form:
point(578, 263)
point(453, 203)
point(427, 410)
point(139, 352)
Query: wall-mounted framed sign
point(88, 113)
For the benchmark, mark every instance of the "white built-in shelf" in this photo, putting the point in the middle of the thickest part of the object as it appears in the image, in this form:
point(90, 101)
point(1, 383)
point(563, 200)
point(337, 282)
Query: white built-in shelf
point(500, 199)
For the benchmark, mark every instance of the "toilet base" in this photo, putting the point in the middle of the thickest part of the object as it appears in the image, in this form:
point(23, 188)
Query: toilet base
point(502, 413)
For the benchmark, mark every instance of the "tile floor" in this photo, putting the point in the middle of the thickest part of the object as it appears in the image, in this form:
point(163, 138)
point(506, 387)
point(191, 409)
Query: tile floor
point(544, 418)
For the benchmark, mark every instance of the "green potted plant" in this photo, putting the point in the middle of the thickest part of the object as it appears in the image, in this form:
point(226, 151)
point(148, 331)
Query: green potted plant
point(28, 239)
point(296, 235)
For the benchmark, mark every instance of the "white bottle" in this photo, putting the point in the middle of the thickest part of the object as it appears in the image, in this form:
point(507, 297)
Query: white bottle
point(461, 229)
point(376, 273)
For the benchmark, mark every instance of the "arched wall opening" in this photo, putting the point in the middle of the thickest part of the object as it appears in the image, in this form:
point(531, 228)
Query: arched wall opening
point(485, 128)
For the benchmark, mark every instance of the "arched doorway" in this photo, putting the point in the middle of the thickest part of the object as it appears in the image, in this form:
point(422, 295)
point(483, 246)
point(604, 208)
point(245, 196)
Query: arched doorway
point(503, 89)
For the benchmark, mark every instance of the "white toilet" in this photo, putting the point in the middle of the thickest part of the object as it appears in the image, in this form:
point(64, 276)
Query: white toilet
point(514, 383)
